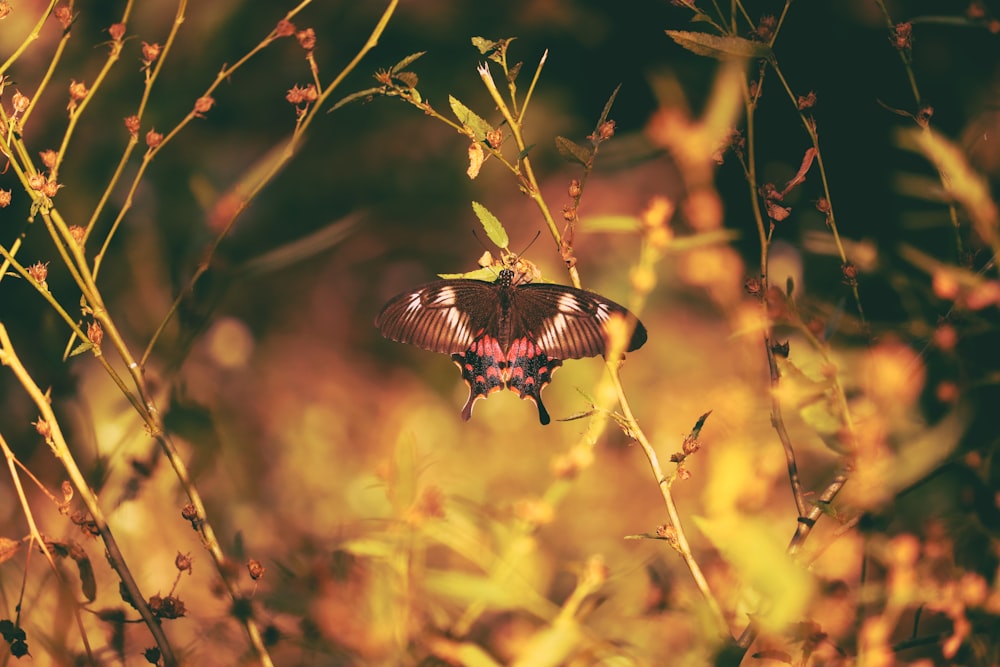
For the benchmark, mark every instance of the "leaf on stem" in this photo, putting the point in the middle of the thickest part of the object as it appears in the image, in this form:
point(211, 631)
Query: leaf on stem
point(469, 119)
point(493, 227)
point(714, 46)
point(572, 151)
point(405, 62)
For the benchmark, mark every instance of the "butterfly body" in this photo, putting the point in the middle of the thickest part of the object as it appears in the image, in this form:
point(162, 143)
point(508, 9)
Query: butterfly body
point(504, 334)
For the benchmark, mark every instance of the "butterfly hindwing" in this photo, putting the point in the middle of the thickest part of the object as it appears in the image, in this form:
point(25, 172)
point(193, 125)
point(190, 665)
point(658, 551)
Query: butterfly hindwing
point(504, 334)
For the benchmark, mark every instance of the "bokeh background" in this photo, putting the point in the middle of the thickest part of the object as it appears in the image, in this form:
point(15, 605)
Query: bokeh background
point(339, 459)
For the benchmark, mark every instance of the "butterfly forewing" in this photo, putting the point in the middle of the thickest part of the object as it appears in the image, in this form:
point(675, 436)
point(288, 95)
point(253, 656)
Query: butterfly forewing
point(446, 316)
point(569, 323)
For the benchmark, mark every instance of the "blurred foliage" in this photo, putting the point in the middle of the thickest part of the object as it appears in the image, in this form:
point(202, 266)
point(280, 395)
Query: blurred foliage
point(390, 532)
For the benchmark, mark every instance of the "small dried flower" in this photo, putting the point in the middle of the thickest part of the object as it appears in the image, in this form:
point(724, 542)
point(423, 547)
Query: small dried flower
point(64, 16)
point(50, 188)
point(5, 198)
point(753, 286)
point(169, 607)
point(48, 158)
point(153, 138)
point(297, 95)
point(150, 52)
point(190, 513)
point(256, 569)
point(20, 102)
point(203, 104)
point(495, 138)
point(822, 205)
point(690, 446)
point(36, 181)
point(902, 36)
point(117, 31)
point(132, 125)
point(184, 562)
point(307, 38)
point(765, 28)
point(78, 233)
point(807, 101)
point(5, 9)
point(569, 213)
point(284, 29)
point(77, 90)
point(95, 334)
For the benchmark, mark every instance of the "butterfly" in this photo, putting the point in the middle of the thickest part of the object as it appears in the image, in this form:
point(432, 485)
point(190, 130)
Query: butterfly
point(508, 334)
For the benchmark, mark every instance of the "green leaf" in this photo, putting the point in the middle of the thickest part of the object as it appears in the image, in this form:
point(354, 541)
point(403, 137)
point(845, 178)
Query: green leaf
point(607, 105)
point(81, 348)
point(527, 149)
point(484, 45)
point(405, 62)
point(713, 46)
point(493, 227)
point(361, 94)
point(468, 118)
point(486, 273)
point(572, 151)
point(466, 588)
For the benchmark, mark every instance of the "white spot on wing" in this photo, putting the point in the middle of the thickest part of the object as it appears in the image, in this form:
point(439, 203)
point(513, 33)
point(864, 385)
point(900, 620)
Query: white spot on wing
point(569, 304)
point(444, 297)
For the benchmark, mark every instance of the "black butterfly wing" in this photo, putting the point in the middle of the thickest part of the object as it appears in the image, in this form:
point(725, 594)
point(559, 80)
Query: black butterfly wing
point(566, 322)
point(445, 316)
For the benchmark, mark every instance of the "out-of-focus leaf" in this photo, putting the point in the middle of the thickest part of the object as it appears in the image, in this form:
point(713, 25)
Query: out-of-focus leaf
point(485, 273)
point(405, 62)
point(468, 118)
point(88, 584)
point(551, 646)
point(572, 151)
point(484, 45)
point(466, 588)
point(8, 548)
point(714, 46)
point(493, 227)
point(459, 653)
point(757, 552)
point(610, 223)
point(372, 547)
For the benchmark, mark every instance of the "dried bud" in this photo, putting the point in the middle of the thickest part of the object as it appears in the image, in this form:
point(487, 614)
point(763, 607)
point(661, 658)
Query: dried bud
point(48, 158)
point(95, 334)
point(39, 272)
point(189, 513)
point(203, 104)
point(307, 38)
point(152, 655)
point(78, 233)
point(50, 188)
point(64, 16)
point(808, 101)
point(255, 569)
point(850, 272)
point(574, 189)
point(765, 28)
point(153, 138)
point(822, 205)
point(43, 428)
point(297, 95)
point(183, 562)
point(284, 29)
point(77, 90)
point(36, 181)
point(924, 115)
point(132, 125)
point(5, 198)
point(569, 213)
point(605, 131)
point(117, 31)
point(690, 446)
point(753, 286)
point(150, 52)
point(20, 102)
